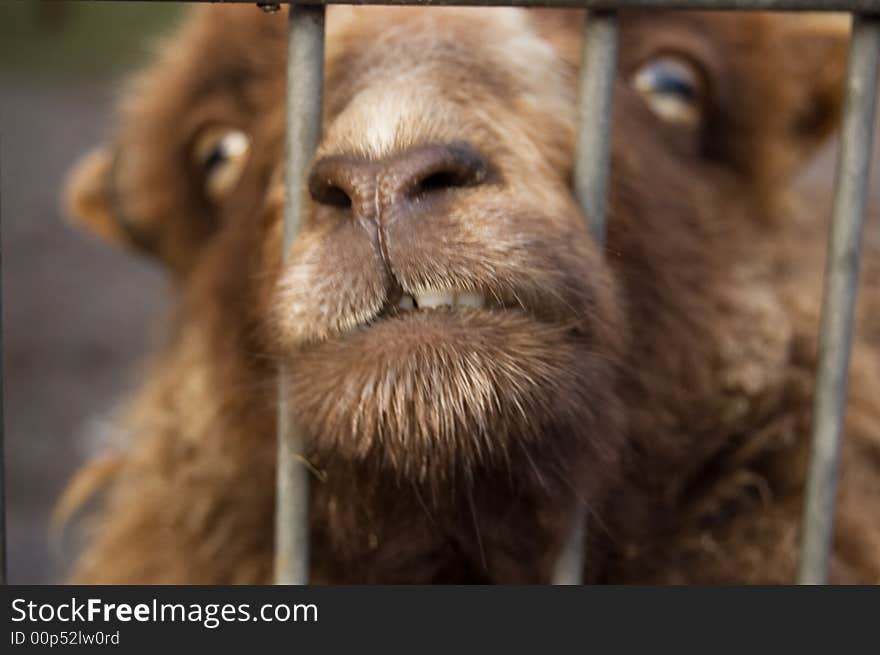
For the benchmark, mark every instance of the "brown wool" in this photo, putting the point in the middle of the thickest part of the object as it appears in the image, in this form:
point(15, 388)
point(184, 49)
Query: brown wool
point(664, 381)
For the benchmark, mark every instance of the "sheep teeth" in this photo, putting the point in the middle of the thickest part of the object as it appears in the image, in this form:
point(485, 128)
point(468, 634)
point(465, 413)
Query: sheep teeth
point(431, 298)
point(470, 299)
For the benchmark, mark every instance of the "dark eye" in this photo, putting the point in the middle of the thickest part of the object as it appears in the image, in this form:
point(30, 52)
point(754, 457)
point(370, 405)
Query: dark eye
point(672, 88)
point(221, 153)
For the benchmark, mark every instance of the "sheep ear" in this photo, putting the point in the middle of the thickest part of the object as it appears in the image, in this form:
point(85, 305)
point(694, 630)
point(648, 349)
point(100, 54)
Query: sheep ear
point(809, 56)
point(88, 197)
point(822, 47)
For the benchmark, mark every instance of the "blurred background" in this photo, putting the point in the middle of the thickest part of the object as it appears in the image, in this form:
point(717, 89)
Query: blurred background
point(77, 316)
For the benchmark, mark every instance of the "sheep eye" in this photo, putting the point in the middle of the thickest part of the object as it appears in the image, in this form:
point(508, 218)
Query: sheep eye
point(672, 88)
point(220, 154)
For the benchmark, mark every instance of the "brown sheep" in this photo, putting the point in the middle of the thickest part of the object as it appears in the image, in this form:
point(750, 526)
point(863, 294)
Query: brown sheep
point(469, 368)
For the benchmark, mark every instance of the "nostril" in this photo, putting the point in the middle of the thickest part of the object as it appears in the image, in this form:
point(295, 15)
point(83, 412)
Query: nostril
point(436, 169)
point(330, 194)
point(338, 180)
point(444, 180)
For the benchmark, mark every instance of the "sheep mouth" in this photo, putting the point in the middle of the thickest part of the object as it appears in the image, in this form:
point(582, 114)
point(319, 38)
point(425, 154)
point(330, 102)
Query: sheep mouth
point(444, 312)
point(432, 301)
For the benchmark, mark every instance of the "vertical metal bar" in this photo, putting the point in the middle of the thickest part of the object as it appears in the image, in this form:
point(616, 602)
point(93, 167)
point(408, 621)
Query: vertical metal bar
point(841, 278)
point(305, 82)
point(592, 155)
point(3, 578)
point(594, 118)
point(570, 565)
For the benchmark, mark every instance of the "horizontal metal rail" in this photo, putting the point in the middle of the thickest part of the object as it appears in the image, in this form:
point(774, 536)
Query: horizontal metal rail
point(841, 279)
point(857, 6)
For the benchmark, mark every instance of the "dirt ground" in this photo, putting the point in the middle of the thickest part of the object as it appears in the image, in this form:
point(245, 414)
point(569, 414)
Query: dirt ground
point(77, 316)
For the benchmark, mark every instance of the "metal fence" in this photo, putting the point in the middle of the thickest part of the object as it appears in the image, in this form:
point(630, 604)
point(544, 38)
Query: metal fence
point(304, 102)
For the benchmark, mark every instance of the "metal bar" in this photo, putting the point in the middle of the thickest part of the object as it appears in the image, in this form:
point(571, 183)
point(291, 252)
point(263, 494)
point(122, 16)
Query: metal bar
point(305, 82)
point(569, 569)
point(841, 279)
point(592, 154)
point(3, 578)
point(864, 7)
point(594, 118)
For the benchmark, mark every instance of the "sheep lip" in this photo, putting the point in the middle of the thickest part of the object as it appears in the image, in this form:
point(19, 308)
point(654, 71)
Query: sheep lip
point(403, 306)
point(434, 300)
point(396, 312)
point(434, 321)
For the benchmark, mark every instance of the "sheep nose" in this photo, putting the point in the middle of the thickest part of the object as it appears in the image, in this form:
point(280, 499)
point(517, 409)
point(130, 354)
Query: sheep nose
point(366, 186)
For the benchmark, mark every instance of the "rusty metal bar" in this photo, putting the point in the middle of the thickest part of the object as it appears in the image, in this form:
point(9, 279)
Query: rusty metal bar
point(305, 83)
point(592, 154)
point(841, 279)
point(865, 7)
